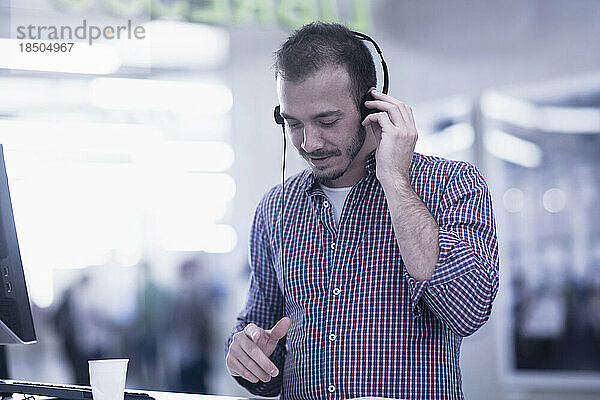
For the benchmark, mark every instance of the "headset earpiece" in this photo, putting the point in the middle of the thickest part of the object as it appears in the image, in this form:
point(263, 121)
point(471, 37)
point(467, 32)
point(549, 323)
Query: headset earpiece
point(277, 115)
point(364, 111)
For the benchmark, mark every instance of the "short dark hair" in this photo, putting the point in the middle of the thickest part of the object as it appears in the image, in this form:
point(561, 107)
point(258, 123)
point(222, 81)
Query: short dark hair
point(319, 44)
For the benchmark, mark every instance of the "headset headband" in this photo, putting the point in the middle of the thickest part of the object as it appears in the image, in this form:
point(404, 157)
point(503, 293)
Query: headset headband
point(386, 80)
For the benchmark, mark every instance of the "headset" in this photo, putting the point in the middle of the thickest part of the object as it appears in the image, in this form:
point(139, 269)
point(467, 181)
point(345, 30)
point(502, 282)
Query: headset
point(364, 112)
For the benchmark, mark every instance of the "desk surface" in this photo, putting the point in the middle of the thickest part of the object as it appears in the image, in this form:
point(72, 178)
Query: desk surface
point(185, 396)
point(188, 396)
point(157, 395)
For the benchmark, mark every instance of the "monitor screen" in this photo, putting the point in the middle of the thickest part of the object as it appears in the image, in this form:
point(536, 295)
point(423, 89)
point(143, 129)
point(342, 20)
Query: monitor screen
point(16, 322)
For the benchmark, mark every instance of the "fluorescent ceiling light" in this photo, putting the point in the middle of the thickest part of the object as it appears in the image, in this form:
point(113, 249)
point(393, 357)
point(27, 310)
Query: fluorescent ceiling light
point(19, 93)
point(68, 136)
point(176, 44)
point(88, 210)
point(190, 209)
point(154, 95)
point(97, 59)
point(550, 90)
point(190, 198)
point(543, 118)
point(200, 156)
point(211, 238)
point(513, 149)
point(205, 187)
point(453, 139)
point(450, 107)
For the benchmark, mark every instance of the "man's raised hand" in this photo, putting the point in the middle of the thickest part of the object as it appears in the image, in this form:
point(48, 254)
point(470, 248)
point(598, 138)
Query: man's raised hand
point(249, 352)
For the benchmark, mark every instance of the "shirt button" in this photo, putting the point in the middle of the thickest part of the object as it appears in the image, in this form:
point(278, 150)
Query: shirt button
point(332, 337)
point(331, 388)
point(326, 204)
point(337, 291)
point(333, 246)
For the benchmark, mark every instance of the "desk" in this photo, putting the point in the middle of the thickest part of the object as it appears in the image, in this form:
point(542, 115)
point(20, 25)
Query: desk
point(188, 396)
point(157, 396)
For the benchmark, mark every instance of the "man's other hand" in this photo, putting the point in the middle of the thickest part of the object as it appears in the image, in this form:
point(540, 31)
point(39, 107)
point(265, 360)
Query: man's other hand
point(249, 352)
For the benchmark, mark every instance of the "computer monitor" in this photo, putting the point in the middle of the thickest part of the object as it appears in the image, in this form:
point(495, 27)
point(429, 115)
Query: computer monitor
point(16, 322)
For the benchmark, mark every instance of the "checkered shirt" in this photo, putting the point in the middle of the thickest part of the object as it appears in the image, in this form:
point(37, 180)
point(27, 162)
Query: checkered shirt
point(361, 325)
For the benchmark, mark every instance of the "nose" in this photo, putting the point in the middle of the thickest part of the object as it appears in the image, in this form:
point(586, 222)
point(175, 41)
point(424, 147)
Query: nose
point(312, 139)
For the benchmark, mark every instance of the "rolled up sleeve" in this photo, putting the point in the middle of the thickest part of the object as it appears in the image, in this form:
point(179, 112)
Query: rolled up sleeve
point(264, 305)
point(465, 278)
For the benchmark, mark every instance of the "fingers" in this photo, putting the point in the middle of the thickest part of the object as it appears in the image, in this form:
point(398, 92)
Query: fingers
point(382, 118)
point(391, 109)
point(391, 105)
point(250, 361)
point(247, 360)
point(253, 332)
point(374, 132)
point(256, 358)
point(281, 328)
point(246, 357)
point(236, 368)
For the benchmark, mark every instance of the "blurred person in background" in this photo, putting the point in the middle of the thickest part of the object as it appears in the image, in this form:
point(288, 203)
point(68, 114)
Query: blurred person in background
point(593, 312)
point(84, 332)
point(148, 331)
point(191, 333)
point(4, 373)
point(391, 256)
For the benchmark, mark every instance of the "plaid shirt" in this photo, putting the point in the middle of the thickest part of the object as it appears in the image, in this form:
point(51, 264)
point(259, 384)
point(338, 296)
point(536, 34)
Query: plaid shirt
point(361, 325)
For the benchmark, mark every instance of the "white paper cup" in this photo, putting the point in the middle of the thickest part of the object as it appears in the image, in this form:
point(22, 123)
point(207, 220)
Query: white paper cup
point(107, 378)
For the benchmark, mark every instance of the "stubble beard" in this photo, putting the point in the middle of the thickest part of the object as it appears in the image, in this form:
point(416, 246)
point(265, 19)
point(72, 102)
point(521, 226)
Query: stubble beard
point(351, 151)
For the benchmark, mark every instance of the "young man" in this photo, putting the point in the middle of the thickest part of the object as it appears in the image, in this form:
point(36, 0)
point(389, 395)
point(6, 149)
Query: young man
point(390, 256)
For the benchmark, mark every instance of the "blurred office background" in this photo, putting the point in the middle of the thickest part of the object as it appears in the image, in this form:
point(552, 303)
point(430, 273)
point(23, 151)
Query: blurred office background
point(135, 166)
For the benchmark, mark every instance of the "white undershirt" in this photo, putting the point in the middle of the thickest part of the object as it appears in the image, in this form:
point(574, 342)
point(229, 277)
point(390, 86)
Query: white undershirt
point(337, 198)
